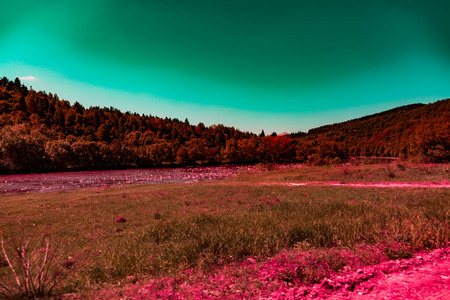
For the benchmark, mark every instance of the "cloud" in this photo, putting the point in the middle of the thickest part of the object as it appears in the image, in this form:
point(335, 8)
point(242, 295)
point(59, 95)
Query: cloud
point(29, 78)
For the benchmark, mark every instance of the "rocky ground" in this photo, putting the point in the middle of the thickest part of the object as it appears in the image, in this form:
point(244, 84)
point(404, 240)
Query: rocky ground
point(425, 276)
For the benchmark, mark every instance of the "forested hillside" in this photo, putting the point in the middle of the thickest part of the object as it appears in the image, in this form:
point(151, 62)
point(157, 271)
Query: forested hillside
point(40, 132)
point(418, 131)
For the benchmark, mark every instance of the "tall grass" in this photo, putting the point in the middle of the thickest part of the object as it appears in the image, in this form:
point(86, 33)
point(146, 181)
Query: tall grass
point(260, 229)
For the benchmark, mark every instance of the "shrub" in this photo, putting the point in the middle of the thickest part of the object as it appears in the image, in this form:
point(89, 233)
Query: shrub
point(34, 267)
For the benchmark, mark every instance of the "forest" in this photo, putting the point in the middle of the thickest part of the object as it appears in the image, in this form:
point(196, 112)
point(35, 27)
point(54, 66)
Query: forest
point(40, 132)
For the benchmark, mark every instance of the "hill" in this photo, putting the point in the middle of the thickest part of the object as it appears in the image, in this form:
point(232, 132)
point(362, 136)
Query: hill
point(40, 132)
point(417, 131)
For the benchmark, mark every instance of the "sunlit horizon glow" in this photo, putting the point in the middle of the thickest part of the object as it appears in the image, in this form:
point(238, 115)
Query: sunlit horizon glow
point(283, 66)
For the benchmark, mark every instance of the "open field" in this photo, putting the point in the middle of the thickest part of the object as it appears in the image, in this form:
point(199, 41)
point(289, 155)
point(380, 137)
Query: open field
point(291, 235)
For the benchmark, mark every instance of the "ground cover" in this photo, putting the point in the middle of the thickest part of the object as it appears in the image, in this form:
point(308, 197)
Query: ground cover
point(253, 238)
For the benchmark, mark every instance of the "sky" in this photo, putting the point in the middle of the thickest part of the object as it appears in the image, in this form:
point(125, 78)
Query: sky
point(283, 66)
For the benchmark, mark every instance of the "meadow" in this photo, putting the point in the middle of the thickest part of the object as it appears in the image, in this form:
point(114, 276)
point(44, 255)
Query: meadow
point(251, 235)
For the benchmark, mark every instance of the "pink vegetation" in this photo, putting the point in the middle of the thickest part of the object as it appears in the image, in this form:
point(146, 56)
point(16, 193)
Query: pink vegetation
point(283, 276)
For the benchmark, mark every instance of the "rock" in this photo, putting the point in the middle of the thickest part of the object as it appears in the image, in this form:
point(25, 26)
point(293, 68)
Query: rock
point(251, 260)
point(132, 279)
point(326, 284)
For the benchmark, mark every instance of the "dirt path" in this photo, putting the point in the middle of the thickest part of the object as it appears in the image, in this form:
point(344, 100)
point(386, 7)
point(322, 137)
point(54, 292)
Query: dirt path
point(426, 276)
point(442, 184)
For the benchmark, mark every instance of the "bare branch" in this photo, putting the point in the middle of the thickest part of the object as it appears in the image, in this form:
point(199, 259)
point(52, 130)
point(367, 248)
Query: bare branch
point(10, 265)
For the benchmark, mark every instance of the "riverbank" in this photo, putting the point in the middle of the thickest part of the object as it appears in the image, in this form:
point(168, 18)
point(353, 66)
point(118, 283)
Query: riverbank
point(46, 182)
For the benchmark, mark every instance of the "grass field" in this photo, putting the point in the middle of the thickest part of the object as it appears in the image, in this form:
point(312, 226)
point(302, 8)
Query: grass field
point(147, 232)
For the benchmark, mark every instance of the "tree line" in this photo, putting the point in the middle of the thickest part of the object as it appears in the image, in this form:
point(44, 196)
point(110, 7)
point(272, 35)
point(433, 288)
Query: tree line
point(40, 132)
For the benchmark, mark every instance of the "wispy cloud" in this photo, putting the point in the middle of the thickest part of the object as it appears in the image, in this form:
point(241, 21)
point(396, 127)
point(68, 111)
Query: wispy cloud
point(29, 78)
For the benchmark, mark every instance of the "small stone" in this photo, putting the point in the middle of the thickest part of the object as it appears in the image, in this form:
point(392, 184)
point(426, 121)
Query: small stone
point(303, 291)
point(132, 279)
point(326, 283)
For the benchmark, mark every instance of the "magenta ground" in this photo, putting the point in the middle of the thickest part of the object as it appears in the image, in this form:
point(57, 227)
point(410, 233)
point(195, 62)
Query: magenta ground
point(275, 278)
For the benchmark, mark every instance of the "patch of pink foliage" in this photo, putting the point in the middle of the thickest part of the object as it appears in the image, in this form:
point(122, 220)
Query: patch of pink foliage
point(284, 276)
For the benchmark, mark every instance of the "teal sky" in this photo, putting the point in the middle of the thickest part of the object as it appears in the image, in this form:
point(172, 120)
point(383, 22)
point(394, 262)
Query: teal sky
point(281, 66)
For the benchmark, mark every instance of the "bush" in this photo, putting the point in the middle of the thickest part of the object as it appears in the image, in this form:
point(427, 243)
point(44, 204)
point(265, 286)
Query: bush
point(34, 267)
